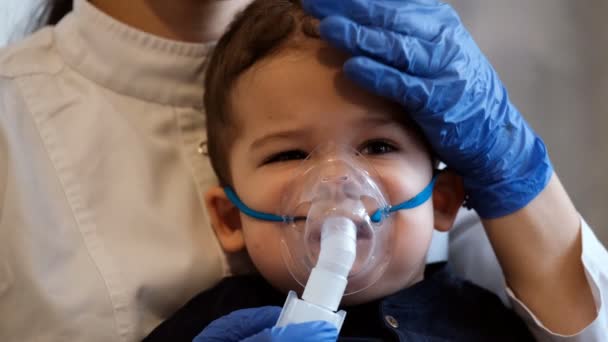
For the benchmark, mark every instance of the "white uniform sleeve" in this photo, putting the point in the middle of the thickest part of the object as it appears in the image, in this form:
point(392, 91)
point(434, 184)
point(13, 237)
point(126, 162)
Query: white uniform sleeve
point(472, 257)
point(595, 261)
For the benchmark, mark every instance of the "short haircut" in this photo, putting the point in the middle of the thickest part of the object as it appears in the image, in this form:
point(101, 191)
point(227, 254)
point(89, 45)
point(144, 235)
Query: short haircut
point(264, 28)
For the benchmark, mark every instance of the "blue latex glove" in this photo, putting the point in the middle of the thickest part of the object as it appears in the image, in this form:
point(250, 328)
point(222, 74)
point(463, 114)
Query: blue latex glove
point(419, 54)
point(257, 325)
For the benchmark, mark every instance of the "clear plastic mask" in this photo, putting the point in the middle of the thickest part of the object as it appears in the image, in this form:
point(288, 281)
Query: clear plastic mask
point(335, 181)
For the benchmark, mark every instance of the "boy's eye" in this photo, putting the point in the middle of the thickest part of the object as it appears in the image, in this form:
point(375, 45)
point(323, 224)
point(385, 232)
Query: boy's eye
point(378, 146)
point(286, 156)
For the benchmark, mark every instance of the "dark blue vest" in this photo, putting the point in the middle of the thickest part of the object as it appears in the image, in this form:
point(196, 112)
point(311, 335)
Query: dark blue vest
point(442, 307)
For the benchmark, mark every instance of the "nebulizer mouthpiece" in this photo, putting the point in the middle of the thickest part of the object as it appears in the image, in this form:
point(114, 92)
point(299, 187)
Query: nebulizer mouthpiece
point(336, 231)
point(327, 282)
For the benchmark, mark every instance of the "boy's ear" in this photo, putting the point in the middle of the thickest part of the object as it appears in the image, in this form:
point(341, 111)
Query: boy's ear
point(448, 196)
point(225, 220)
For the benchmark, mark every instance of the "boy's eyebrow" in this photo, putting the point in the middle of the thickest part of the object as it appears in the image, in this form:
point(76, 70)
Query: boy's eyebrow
point(281, 135)
point(371, 119)
point(396, 118)
point(374, 119)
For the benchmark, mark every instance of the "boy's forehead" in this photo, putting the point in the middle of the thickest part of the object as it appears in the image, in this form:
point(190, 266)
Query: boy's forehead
point(305, 89)
point(307, 79)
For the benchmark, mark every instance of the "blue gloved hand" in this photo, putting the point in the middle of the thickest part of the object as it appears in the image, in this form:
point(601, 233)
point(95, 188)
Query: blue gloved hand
point(257, 325)
point(419, 54)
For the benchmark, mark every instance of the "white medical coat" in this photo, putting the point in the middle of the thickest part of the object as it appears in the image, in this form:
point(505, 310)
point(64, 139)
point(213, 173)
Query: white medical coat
point(103, 230)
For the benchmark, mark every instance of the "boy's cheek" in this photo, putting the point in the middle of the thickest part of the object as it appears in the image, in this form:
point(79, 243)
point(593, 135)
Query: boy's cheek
point(413, 231)
point(263, 190)
point(263, 242)
point(401, 184)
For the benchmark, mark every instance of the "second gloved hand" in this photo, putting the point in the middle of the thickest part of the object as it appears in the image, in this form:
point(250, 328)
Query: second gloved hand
point(257, 325)
point(418, 53)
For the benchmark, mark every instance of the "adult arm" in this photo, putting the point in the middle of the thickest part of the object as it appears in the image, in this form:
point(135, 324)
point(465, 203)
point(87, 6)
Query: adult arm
point(539, 248)
point(472, 256)
point(419, 54)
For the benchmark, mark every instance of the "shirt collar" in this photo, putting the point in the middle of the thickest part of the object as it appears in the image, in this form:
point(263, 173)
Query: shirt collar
point(129, 61)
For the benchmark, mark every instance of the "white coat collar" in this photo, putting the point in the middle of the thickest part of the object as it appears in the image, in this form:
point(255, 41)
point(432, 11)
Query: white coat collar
point(129, 61)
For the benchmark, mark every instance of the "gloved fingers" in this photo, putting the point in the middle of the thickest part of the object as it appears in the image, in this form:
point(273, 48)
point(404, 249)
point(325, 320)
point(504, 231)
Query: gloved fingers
point(320, 331)
point(316, 331)
point(415, 56)
point(421, 19)
point(240, 324)
point(411, 92)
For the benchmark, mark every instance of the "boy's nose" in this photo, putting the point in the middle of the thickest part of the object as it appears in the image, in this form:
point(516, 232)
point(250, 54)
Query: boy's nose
point(337, 187)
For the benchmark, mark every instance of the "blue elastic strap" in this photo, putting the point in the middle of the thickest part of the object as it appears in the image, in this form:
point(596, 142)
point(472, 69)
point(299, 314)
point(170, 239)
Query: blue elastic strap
point(415, 201)
point(250, 212)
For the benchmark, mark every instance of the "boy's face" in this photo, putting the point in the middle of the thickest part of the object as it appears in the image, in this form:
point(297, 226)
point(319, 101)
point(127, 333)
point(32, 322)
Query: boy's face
point(286, 106)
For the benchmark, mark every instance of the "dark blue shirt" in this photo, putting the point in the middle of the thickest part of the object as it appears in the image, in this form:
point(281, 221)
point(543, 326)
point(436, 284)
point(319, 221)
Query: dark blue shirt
point(442, 307)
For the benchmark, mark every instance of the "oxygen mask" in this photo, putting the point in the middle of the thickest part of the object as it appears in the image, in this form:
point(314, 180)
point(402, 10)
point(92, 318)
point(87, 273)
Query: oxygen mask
point(336, 182)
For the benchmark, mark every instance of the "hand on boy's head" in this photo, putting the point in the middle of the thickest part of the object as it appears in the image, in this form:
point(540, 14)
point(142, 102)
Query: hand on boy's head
point(419, 54)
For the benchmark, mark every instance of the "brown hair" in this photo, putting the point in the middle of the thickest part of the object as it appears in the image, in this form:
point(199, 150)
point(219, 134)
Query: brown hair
point(262, 29)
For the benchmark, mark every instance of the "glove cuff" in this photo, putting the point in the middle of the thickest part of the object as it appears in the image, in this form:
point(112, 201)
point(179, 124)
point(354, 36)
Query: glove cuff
point(513, 193)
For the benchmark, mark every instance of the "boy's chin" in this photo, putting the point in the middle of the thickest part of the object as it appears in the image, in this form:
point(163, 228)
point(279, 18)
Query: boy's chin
point(385, 286)
point(382, 288)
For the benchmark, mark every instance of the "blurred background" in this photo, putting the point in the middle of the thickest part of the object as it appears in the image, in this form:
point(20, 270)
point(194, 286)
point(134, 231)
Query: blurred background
point(553, 57)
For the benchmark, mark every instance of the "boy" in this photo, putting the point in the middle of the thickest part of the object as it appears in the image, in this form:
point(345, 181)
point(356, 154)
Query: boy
point(274, 93)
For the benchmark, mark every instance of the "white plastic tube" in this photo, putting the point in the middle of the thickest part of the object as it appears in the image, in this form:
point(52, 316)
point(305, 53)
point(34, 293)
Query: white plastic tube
point(328, 279)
